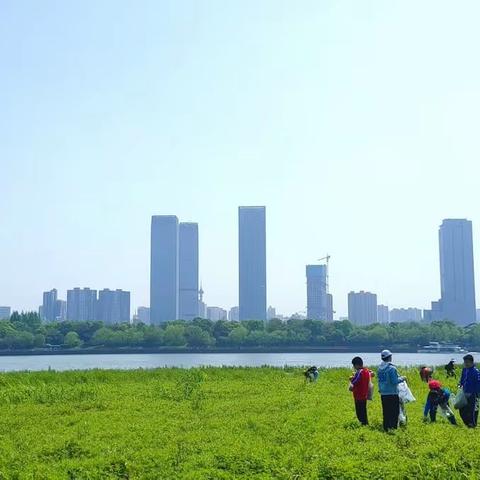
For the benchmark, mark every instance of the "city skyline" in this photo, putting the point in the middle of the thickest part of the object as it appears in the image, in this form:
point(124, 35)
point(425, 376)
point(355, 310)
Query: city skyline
point(309, 114)
point(460, 248)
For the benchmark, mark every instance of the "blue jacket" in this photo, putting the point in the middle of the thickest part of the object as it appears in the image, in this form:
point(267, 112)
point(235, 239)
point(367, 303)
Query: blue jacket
point(470, 380)
point(436, 398)
point(388, 379)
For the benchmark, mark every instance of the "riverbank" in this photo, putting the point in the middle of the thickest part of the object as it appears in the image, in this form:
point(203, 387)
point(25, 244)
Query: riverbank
point(220, 350)
point(222, 423)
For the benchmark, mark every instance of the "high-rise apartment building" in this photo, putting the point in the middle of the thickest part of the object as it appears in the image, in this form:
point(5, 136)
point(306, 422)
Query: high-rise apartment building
point(362, 308)
point(216, 313)
point(81, 304)
point(5, 313)
point(53, 309)
point(143, 315)
point(233, 314)
point(49, 305)
point(252, 263)
point(383, 314)
point(398, 315)
point(113, 306)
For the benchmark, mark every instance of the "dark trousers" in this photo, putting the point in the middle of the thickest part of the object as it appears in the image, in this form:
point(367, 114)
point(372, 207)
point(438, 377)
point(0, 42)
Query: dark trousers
point(391, 409)
point(468, 413)
point(361, 411)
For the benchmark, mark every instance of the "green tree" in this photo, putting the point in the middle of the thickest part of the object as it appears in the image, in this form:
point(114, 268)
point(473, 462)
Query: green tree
point(238, 335)
point(72, 340)
point(175, 335)
point(39, 340)
point(153, 336)
point(196, 337)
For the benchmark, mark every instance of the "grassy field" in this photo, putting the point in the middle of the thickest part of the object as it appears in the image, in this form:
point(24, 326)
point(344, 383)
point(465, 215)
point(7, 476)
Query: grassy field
point(216, 424)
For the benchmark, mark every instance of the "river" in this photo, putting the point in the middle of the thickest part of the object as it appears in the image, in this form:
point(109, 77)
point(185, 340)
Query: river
point(188, 360)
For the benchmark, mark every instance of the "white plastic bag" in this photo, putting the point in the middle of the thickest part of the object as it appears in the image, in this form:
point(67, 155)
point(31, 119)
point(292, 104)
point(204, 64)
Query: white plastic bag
point(404, 393)
point(370, 390)
point(460, 399)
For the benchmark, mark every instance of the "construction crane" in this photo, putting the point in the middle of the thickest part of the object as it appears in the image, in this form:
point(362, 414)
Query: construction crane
point(327, 259)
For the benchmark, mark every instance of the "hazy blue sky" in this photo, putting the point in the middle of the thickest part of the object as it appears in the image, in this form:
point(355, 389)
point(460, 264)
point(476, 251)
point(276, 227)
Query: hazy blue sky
point(354, 122)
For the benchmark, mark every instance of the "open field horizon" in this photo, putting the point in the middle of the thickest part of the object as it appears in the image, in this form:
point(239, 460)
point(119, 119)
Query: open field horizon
point(215, 423)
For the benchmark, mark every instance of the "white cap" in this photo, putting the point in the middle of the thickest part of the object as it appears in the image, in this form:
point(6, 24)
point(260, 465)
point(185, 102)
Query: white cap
point(386, 354)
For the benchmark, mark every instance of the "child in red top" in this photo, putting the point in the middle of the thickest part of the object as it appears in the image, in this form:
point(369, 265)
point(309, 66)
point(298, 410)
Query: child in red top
point(359, 386)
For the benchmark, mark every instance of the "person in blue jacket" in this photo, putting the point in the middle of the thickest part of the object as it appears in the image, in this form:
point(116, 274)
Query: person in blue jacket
point(388, 380)
point(438, 397)
point(470, 383)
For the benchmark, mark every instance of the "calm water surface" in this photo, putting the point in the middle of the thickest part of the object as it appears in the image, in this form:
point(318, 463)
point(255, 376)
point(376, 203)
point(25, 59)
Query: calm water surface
point(187, 360)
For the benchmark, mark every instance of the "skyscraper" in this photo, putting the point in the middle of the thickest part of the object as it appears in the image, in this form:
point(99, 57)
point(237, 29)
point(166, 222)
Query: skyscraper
point(252, 263)
point(456, 271)
point(317, 298)
point(81, 304)
point(164, 269)
point(362, 308)
point(188, 271)
point(113, 306)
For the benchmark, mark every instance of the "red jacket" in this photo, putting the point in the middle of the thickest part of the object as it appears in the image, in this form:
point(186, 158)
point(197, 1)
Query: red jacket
point(360, 383)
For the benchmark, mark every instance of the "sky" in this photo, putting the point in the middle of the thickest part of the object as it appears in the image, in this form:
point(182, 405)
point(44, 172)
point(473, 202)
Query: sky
point(354, 123)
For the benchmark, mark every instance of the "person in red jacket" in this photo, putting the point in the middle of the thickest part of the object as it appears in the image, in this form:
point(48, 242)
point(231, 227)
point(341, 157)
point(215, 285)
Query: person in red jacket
point(359, 386)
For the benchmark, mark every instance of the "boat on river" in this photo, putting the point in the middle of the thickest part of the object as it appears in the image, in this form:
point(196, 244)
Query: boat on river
point(441, 347)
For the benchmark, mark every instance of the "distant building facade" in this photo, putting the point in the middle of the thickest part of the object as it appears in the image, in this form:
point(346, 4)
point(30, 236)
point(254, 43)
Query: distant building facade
point(233, 314)
point(202, 307)
point(61, 311)
point(113, 306)
point(271, 313)
point(362, 308)
point(5, 313)
point(49, 306)
point(188, 271)
point(383, 314)
point(216, 313)
point(457, 302)
point(52, 309)
point(143, 315)
point(81, 304)
point(399, 315)
point(164, 269)
point(317, 297)
point(329, 307)
point(252, 263)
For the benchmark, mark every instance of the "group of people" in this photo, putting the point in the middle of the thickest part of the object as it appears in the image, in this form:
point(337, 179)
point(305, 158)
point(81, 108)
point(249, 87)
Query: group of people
point(438, 397)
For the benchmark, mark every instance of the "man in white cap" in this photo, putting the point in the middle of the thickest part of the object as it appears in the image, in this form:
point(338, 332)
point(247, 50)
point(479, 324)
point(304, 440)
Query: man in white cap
point(388, 380)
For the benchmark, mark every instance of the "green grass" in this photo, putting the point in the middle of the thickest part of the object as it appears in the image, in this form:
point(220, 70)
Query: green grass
point(231, 423)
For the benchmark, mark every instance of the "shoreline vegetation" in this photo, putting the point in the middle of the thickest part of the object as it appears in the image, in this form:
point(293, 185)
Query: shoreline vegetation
point(26, 334)
point(224, 423)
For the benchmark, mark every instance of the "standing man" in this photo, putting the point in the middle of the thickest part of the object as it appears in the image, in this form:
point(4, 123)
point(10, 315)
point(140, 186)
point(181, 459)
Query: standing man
point(359, 385)
point(470, 382)
point(388, 380)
